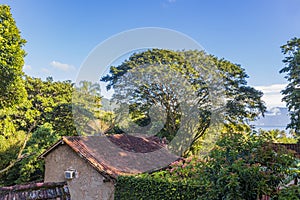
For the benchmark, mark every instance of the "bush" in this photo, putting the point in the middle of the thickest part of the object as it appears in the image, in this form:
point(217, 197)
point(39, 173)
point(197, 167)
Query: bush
point(240, 166)
point(289, 193)
point(133, 188)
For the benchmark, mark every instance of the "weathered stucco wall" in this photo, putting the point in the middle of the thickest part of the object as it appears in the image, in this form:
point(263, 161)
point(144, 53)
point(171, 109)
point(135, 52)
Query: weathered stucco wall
point(88, 185)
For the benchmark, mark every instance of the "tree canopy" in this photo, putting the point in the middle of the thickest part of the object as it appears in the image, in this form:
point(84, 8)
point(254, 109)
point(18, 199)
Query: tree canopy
point(291, 93)
point(184, 80)
point(13, 94)
point(46, 116)
point(184, 96)
point(12, 90)
point(44, 119)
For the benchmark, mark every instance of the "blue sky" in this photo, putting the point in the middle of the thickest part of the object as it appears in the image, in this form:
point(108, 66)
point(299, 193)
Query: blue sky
point(61, 34)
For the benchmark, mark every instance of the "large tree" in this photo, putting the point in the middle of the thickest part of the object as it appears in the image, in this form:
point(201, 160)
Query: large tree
point(46, 119)
point(51, 102)
point(291, 93)
point(33, 112)
point(12, 91)
point(184, 83)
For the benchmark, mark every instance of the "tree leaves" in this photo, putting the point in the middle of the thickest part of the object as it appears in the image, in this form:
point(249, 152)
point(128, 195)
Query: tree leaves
point(240, 166)
point(156, 76)
point(291, 93)
point(12, 91)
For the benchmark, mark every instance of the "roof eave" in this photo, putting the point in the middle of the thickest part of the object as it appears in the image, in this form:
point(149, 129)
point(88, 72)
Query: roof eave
point(46, 152)
point(96, 166)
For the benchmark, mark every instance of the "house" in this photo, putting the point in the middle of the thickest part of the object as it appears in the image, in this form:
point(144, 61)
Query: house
point(91, 164)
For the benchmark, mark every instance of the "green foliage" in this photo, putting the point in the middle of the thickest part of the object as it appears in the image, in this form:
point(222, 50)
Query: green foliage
point(279, 136)
point(247, 164)
point(130, 187)
point(207, 77)
point(26, 104)
point(241, 166)
point(289, 193)
point(51, 102)
point(291, 93)
point(31, 168)
point(45, 118)
point(46, 105)
point(86, 104)
point(10, 143)
point(12, 91)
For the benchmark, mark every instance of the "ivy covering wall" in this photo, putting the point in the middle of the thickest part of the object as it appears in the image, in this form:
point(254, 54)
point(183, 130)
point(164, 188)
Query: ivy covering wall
point(133, 188)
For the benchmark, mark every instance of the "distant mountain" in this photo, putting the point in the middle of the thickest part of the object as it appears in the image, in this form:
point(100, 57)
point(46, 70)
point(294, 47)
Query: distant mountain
point(274, 117)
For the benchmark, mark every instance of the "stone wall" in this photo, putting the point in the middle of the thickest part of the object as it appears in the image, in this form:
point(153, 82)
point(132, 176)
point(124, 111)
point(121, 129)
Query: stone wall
point(88, 183)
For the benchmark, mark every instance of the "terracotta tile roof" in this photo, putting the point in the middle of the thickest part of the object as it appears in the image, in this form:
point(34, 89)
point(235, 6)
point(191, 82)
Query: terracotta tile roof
point(120, 154)
point(34, 191)
point(136, 144)
point(293, 147)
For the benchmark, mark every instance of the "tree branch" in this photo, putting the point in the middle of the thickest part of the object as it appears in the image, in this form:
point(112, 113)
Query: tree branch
point(20, 156)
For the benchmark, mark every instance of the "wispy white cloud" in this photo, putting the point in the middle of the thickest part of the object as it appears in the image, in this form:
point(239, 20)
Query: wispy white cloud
point(62, 66)
point(45, 70)
point(27, 67)
point(272, 95)
point(269, 89)
point(167, 3)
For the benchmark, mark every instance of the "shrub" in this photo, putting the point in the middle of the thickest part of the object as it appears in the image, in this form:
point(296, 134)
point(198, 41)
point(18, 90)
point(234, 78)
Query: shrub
point(145, 187)
point(289, 193)
point(240, 166)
